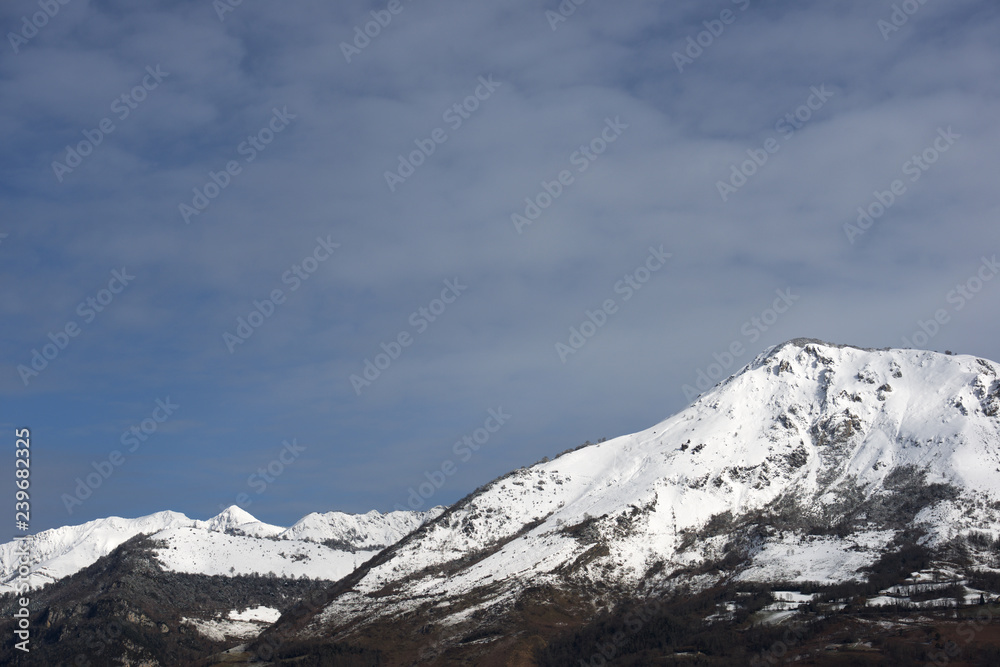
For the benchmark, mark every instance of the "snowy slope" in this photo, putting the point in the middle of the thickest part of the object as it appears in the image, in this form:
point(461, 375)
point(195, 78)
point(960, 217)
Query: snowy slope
point(363, 531)
point(319, 546)
point(195, 551)
point(234, 538)
point(60, 552)
point(243, 624)
point(809, 436)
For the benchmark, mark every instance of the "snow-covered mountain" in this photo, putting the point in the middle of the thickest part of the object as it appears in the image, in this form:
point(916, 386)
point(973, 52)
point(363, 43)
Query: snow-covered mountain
point(807, 465)
point(820, 475)
point(233, 542)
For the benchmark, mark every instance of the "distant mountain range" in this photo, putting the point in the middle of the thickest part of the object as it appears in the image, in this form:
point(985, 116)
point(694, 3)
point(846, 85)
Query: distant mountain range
point(830, 503)
point(234, 542)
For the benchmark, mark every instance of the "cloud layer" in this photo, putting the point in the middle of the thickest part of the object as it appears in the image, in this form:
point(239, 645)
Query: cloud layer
point(235, 163)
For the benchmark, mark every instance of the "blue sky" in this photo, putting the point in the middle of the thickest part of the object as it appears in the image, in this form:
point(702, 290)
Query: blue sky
point(591, 212)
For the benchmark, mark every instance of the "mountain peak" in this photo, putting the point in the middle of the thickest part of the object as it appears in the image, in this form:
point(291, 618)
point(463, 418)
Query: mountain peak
point(803, 343)
point(233, 516)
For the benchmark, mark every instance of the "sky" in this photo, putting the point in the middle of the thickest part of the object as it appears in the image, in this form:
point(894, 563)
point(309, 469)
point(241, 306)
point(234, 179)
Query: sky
point(311, 256)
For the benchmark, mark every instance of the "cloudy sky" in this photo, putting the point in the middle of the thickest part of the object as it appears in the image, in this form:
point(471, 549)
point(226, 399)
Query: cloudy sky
point(229, 227)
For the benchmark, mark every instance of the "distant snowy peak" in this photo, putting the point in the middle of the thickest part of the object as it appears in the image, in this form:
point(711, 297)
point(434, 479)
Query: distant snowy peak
point(229, 518)
point(234, 520)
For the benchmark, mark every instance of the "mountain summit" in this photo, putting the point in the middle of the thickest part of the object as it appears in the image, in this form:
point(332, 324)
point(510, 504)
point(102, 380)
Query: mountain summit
point(809, 465)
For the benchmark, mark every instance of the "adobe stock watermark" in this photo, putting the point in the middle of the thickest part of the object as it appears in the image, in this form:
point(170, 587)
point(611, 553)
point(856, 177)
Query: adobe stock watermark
point(752, 330)
point(102, 638)
point(967, 631)
point(268, 474)
point(223, 7)
point(696, 44)
point(957, 299)
point(250, 148)
point(363, 35)
point(915, 167)
point(628, 286)
point(777, 651)
point(420, 320)
point(133, 438)
point(786, 126)
point(634, 621)
point(264, 309)
point(22, 589)
point(30, 26)
point(88, 310)
point(455, 116)
point(565, 10)
point(581, 158)
point(899, 17)
point(463, 449)
point(122, 107)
